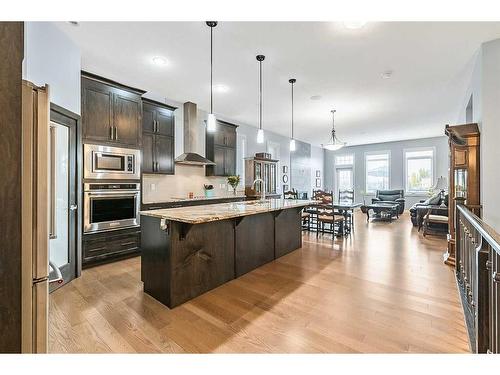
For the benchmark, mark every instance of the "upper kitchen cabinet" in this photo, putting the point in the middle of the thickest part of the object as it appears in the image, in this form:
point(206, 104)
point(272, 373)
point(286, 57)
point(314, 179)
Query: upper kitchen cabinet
point(111, 112)
point(158, 140)
point(221, 148)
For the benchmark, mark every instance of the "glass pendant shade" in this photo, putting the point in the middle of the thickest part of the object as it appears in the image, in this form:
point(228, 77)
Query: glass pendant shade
point(260, 136)
point(334, 144)
point(292, 145)
point(211, 124)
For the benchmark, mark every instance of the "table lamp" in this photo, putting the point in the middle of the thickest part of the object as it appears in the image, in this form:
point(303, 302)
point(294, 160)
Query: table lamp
point(441, 185)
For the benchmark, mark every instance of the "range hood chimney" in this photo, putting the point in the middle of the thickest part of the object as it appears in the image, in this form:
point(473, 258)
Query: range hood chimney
point(190, 155)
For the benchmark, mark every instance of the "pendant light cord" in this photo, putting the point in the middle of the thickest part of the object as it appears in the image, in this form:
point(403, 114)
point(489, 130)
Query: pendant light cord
point(211, 72)
point(260, 95)
point(292, 108)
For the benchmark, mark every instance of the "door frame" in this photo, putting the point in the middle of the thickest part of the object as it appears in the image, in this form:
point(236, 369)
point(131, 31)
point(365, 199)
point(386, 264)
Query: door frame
point(70, 119)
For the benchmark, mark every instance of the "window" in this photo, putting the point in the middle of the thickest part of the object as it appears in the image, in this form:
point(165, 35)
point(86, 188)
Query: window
point(377, 171)
point(344, 159)
point(419, 167)
point(344, 172)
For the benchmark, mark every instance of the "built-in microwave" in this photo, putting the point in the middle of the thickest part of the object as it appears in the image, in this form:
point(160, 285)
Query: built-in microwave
point(105, 162)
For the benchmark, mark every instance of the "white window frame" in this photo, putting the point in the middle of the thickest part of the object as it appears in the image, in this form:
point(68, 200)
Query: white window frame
point(368, 153)
point(344, 166)
point(405, 169)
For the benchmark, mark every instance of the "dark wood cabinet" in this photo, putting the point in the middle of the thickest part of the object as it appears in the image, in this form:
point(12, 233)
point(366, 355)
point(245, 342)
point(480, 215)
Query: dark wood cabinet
point(220, 147)
point(464, 176)
point(101, 247)
point(158, 141)
point(111, 112)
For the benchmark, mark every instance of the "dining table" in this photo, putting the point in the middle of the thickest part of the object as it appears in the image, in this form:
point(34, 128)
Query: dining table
point(343, 208)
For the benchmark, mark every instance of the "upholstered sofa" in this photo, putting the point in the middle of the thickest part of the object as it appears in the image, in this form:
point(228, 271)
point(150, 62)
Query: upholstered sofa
point(391, 196)
point(418, 210)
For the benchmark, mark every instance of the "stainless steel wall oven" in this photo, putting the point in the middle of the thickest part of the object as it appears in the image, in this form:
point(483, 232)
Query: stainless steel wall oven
point(110, 206)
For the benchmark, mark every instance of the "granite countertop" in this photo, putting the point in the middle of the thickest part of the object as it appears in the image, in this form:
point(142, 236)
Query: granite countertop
point(222, 211)
point(198, 198)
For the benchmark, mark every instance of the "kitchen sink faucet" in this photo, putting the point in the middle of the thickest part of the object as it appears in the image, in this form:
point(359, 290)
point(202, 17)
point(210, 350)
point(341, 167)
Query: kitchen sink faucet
point(263, 191)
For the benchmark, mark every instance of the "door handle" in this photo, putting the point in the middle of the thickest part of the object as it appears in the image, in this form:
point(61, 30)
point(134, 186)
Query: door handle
point(53, 219)
point(59, 279)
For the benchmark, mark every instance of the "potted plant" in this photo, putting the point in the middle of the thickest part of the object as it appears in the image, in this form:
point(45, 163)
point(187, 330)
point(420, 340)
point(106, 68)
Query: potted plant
point(234, 181)
point(209, 190)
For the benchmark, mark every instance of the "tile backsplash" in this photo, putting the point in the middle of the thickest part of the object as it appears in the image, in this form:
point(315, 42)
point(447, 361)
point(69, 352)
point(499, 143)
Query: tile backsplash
point(187, 178)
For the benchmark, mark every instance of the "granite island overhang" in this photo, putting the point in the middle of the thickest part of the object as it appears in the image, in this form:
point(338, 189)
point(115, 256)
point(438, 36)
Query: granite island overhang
point(190, 250)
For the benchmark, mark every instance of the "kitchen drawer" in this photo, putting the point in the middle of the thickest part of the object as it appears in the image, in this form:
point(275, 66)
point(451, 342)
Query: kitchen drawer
point(108, 245)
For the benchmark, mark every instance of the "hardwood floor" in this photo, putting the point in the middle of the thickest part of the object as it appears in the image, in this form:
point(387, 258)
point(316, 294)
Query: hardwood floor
point(383, 289)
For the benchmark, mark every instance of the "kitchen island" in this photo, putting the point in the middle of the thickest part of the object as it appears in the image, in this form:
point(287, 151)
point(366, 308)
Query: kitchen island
point(190, 250)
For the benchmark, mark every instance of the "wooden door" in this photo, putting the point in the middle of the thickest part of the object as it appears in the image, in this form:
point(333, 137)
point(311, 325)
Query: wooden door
point(164, 152)
point(148, 152)
point(219, 157)
point(148, 118)
point(165, 122)
point(97, 105)
point(126, 116)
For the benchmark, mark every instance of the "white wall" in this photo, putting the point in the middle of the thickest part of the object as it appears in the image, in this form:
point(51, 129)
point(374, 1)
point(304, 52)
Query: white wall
point(396, 150)
point(51, 57)
point(485, 89)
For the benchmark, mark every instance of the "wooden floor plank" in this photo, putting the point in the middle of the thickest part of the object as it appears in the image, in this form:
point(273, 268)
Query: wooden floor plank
point(384, 289)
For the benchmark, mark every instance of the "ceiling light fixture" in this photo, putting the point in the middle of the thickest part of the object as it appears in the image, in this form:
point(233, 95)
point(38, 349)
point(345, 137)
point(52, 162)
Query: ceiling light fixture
point(160, 61)
point(334, 144)
point(292, 140)
point(387, 74)
point(211, 122)
point(353, 25)
point(260, 132)
point(220, 88)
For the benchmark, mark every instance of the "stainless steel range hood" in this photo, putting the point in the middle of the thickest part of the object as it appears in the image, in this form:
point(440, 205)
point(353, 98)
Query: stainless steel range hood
point(190, 155)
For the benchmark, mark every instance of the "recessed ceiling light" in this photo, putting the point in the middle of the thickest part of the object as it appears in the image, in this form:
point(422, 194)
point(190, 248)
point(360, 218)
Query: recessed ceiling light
point(220, 88)
point(316, 97)
point(160, 61)
point(354, 24)
point(387, 74)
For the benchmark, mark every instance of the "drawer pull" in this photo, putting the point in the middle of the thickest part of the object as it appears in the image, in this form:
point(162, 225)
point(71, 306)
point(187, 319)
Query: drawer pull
point(496, 277)
point(97, 249)
point(129, 243)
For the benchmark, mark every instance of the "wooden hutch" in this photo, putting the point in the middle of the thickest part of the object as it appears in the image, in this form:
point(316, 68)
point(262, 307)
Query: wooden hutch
point(263, 167)
point(464, 177)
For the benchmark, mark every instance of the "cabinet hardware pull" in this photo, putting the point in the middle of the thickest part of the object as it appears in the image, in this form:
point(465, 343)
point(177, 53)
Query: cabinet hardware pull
point(116, 133)
point(53, 219)
point(496, 277)
point(128, 243)
point(111, 132)
point(156, 126)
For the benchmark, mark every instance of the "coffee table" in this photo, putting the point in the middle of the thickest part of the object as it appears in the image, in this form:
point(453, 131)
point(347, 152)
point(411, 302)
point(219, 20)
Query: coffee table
point(382, 210)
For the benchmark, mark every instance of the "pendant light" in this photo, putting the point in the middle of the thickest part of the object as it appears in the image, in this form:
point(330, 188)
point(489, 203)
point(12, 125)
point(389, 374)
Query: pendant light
point(211, 122)
point(292, 140)
point(260, 132)
point(334, 144)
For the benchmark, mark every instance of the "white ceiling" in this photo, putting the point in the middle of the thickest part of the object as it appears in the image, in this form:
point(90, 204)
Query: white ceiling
point(431, 64)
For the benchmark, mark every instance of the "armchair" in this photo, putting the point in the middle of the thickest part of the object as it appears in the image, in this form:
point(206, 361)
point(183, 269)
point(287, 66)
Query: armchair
point(391, 196)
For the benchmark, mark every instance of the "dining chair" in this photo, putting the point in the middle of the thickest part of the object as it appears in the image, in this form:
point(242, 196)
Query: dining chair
point(327, 216)
point(347, 196)
point(291, 194)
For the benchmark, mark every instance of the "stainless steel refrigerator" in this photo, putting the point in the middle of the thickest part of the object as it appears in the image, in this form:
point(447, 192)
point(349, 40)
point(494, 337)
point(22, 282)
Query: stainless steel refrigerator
point(35, 214)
